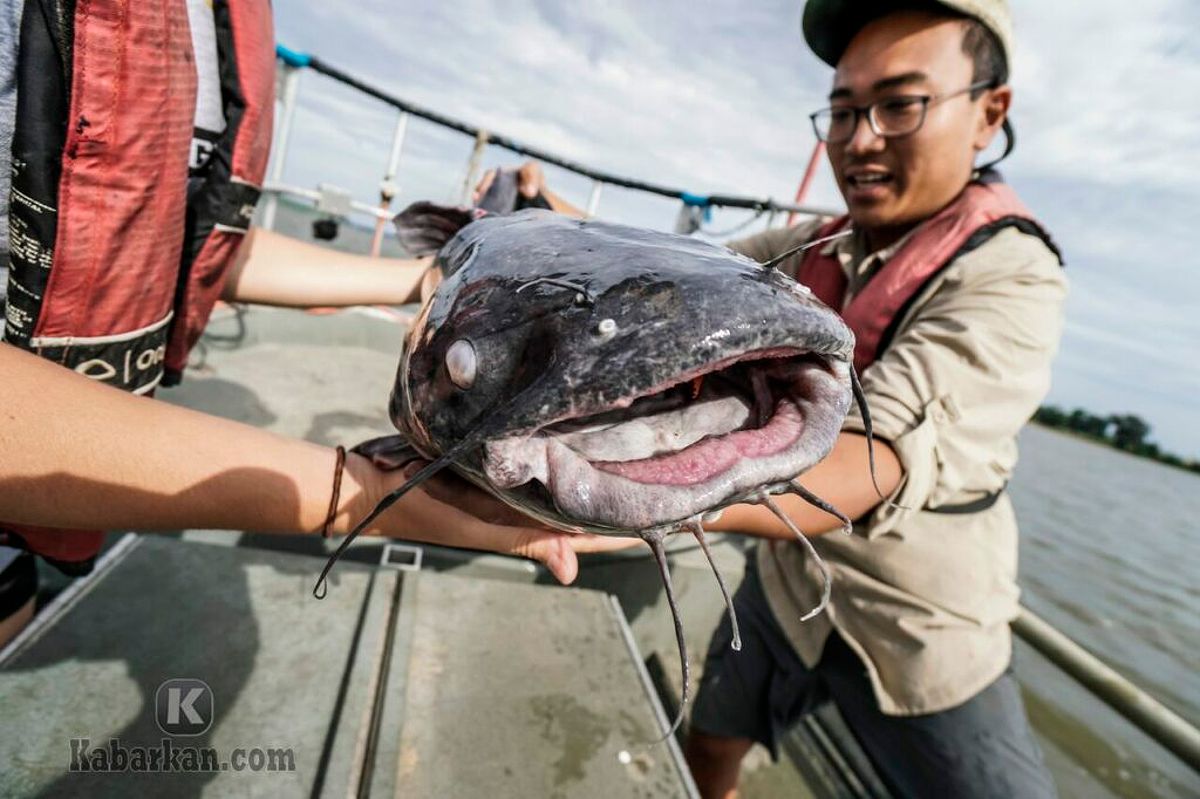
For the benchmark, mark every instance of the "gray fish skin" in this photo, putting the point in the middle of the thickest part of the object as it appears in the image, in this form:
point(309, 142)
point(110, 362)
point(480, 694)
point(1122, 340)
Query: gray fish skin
point(569, 318)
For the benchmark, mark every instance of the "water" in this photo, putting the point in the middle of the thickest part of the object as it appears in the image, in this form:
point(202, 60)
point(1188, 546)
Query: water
point(1110, 555)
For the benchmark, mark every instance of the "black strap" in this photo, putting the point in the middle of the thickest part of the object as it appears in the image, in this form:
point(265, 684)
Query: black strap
point(976, 240)
point(974, 506)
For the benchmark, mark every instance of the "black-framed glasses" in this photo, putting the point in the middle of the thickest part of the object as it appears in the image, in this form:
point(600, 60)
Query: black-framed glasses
point(889, 118)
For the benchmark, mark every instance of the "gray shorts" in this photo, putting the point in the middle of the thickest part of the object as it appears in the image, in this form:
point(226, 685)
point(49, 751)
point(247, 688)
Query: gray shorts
point(982, 748)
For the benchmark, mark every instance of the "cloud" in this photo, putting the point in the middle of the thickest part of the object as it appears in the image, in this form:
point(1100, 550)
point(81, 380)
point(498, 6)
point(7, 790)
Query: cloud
point(714, 97)
point(1108, 89)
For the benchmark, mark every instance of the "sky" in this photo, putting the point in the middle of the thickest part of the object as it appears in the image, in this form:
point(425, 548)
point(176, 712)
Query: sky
point(713, 97)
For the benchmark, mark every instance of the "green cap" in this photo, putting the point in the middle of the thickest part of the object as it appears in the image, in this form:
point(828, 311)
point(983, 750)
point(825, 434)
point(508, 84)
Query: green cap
point(829, 25)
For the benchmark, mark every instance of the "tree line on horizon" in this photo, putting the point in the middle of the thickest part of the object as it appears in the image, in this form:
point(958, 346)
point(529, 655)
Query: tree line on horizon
point(1123, 431)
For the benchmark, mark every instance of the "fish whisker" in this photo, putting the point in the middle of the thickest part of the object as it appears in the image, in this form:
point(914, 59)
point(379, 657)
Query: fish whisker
point(827, 578)
point(321, 588)
point(815, 501)
point(860, 398)
point(805, 246)
point(698, 530)
point(655, 540)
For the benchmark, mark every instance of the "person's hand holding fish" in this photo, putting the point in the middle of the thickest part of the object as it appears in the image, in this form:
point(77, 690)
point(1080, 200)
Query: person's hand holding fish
point(450, 511)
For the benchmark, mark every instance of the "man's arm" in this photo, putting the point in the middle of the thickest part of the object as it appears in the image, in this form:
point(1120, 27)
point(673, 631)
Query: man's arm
point(80, 454)
point(843, 480)
point(272, 269)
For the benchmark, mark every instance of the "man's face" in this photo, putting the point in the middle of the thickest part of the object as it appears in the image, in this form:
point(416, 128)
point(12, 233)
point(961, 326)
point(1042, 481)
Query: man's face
point(894, 183)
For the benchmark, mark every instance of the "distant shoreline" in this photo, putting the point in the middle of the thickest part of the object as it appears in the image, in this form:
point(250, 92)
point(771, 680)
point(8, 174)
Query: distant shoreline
point(1059, 423)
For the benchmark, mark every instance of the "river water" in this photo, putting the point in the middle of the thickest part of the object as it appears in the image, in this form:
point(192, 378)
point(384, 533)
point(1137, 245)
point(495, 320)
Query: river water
point(1110, 554)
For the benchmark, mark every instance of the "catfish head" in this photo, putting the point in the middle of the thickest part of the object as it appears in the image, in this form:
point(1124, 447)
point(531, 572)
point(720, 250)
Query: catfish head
point(612, 379)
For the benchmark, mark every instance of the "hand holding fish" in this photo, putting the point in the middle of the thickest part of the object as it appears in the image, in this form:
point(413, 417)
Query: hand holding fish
point(611, 380)
point(449, 511)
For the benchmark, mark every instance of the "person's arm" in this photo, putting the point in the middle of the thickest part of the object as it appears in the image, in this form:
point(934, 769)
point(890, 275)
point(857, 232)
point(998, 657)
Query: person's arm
point(843, 480)
point(79, 454)
point(531, 181)
point(272, 269)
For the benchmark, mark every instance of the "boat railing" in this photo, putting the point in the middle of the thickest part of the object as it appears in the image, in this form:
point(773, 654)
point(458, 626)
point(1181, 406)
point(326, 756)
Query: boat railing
point(1129, 700)
point(293, 63)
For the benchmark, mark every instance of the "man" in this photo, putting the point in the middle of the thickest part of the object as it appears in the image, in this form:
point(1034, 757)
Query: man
point(955, 295)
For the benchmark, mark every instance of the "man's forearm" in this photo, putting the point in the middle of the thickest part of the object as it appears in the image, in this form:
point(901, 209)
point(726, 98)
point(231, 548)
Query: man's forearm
point(77, 454)
point(272, 269)
point(80, 454)
point(843, 480)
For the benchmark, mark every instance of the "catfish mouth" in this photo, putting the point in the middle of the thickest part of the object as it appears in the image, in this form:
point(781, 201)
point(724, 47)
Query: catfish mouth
point(706, 439)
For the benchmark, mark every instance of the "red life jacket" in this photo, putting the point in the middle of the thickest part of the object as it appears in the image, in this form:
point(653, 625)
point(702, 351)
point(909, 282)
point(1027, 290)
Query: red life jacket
point(116, 259)
point(983, 209)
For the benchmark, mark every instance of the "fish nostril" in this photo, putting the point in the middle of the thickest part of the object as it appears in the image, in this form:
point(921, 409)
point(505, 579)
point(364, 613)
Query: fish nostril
point(461, 363)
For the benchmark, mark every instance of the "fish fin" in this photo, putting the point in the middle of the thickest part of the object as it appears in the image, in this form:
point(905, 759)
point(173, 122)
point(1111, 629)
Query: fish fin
point(504, 197)
point(827, 586)
point(655, 540)
point(425, 227)
point(388, 452)
point(698, 530)
point(814, 500)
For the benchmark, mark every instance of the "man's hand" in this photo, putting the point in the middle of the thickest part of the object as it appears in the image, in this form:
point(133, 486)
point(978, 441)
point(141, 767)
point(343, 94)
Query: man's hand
point(449, 511)
point(531, 181)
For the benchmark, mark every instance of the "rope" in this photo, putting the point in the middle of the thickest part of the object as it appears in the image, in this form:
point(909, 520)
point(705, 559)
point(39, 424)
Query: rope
point(301, 60)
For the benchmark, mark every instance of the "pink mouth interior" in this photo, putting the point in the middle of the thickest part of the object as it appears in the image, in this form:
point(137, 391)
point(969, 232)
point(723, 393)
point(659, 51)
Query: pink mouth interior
point(671, 455)
point(712, 456)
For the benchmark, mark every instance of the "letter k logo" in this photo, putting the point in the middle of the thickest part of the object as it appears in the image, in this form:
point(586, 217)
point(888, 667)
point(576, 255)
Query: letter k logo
point(184, 706)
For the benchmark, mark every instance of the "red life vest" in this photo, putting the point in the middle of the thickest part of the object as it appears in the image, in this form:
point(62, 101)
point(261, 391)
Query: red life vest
point(984, 208)
point(116, 259)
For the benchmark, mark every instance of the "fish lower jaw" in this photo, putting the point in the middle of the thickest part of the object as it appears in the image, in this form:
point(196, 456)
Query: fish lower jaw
point(661, 490)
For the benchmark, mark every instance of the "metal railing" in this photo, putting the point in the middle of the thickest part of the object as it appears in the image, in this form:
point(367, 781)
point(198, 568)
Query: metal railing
point(1147, 713)
point(1136, 705)
point(294, 62)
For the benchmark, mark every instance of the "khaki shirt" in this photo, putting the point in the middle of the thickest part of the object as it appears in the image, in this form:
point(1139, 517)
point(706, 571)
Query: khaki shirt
point(924, 598)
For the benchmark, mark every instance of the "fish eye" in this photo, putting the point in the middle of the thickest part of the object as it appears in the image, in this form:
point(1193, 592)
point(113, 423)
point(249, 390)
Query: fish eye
point(461, 363)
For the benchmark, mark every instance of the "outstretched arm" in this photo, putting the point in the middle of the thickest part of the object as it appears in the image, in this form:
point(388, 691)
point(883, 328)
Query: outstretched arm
point(272, 269)
point(80, 454)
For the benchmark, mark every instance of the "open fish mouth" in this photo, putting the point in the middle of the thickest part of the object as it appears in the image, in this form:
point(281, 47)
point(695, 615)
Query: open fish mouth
point(706, 439)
